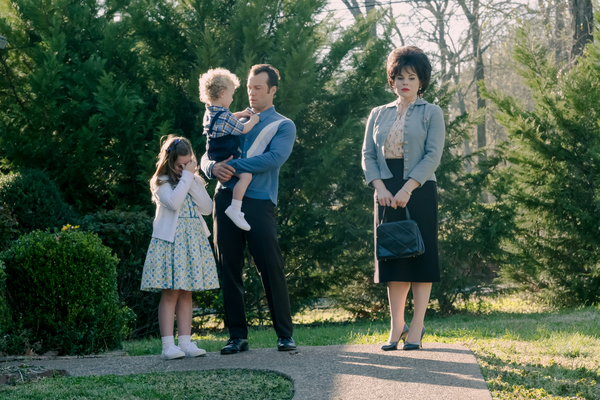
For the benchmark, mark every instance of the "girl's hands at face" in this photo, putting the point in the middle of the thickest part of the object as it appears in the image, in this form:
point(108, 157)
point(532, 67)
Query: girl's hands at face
point(384, 197)
point(192, 166)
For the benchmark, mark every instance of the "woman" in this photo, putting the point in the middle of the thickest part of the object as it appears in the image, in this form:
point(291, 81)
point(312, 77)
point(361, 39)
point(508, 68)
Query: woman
point(401, 151)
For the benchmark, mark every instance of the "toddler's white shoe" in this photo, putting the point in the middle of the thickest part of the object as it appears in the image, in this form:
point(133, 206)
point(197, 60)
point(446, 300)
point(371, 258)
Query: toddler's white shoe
point(172, 352)
point(238, 218)
point(191, 350)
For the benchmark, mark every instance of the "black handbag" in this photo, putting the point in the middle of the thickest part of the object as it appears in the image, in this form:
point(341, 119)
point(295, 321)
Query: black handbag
point(399, 239)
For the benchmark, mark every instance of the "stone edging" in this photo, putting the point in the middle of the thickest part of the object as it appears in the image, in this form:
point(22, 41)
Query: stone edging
point(53, 357)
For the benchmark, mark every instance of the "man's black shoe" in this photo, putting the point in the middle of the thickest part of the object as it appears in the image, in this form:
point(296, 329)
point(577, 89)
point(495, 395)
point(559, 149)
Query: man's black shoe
point(235, 345)
point(286, 344)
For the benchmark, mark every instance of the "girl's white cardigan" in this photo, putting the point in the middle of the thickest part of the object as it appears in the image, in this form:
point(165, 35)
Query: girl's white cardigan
point(169, 200)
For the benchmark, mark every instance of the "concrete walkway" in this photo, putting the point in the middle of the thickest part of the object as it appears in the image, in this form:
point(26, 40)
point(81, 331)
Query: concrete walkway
point(439, 371)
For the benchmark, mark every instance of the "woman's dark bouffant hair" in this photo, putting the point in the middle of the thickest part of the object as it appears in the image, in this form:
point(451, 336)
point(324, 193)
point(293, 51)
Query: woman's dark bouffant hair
point(409, 57)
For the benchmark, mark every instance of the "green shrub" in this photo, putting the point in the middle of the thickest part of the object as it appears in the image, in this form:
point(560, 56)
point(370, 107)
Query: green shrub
point(4, 315)
point(8, 227)
point(63, 292)
point(128, 234)
point(35, 200)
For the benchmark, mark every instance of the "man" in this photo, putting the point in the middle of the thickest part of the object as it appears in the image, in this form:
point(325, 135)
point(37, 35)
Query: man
point(264, 150)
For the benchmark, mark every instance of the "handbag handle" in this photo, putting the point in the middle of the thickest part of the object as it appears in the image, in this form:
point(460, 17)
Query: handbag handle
point(383, 216)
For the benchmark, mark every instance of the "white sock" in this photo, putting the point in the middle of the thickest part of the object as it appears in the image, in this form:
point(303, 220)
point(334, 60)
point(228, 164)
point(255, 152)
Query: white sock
point(184, 340)
point(167, 341)
point(236, 205)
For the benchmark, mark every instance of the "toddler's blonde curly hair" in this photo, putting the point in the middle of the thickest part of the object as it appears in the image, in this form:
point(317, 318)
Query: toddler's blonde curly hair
point(214, 82)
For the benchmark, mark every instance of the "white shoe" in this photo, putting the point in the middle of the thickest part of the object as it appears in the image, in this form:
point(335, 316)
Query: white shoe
point(191, 350)
point(238, 218)
point(172, 352)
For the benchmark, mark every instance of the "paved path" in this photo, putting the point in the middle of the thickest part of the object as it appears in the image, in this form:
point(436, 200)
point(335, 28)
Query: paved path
point(439, 371)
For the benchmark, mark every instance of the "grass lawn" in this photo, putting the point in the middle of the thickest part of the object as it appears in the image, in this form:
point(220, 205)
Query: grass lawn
point(197, 385)
point(525, 350)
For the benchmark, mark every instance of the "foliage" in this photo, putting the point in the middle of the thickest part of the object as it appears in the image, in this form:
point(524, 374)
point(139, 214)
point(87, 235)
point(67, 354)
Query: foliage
point(4, 312)
point(8, 227)
point(75, 102)
point(470, 229)
point(63, 291)
point(554, 155)
point(128, 234)
point(323, 220)
point(34, 201)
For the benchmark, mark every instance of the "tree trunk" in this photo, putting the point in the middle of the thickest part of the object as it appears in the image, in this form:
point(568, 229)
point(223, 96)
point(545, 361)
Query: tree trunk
point(479, 74)
point(440, 22)
point(370, 5)
point(582, 23)
point(353, 7)
point(463, 109)
point(560, 55)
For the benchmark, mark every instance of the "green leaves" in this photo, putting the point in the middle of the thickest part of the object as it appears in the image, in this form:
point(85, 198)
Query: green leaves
point(128, 236)
point(63, 290)
point(555, 174)
point(34, 201)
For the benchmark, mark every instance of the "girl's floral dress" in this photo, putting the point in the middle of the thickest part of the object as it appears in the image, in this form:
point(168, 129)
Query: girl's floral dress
point(187, 263)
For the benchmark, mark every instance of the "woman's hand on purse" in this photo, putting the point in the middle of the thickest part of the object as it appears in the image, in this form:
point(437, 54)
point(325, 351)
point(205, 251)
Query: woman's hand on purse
point(401, 198)
point(384, 197)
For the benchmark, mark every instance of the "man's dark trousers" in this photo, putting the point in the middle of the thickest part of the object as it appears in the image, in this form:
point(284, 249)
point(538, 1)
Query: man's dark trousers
point(263, 245)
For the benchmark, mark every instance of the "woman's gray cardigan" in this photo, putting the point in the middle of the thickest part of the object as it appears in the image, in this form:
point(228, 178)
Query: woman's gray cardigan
point(424, 135)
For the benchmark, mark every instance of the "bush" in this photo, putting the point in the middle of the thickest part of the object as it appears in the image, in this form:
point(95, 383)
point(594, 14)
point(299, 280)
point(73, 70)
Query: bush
point(4, 315)
point(63, 292)
point(8, 227)
point(34, 200)
point(128, 234)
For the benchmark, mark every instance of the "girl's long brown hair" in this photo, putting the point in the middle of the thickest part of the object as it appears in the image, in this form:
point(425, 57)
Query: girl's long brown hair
point(171, 149)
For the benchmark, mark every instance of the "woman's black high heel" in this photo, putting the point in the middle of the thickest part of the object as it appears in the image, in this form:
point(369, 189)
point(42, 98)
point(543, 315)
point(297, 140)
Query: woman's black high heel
point(415, 346)
point(394, 345)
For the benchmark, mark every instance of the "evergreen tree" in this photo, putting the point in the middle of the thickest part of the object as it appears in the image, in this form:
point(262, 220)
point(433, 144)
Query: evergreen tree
point(554, 155)
point(72, 102)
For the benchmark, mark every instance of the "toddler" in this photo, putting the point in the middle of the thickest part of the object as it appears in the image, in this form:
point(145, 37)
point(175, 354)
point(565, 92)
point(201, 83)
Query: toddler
point(223, 129)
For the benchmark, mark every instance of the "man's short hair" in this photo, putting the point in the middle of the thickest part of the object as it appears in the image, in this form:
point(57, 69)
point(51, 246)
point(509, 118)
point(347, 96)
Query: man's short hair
point(273, 79)
point(410, 57)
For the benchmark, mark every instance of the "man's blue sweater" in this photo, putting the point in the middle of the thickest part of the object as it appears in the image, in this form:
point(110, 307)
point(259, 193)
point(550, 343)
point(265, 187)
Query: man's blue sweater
point(263, 167)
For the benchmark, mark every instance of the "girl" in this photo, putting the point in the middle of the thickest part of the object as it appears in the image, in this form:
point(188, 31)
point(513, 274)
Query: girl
point(179, 258)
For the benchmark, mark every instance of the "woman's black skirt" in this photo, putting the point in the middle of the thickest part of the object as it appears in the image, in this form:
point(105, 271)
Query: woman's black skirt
point(424, 211)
